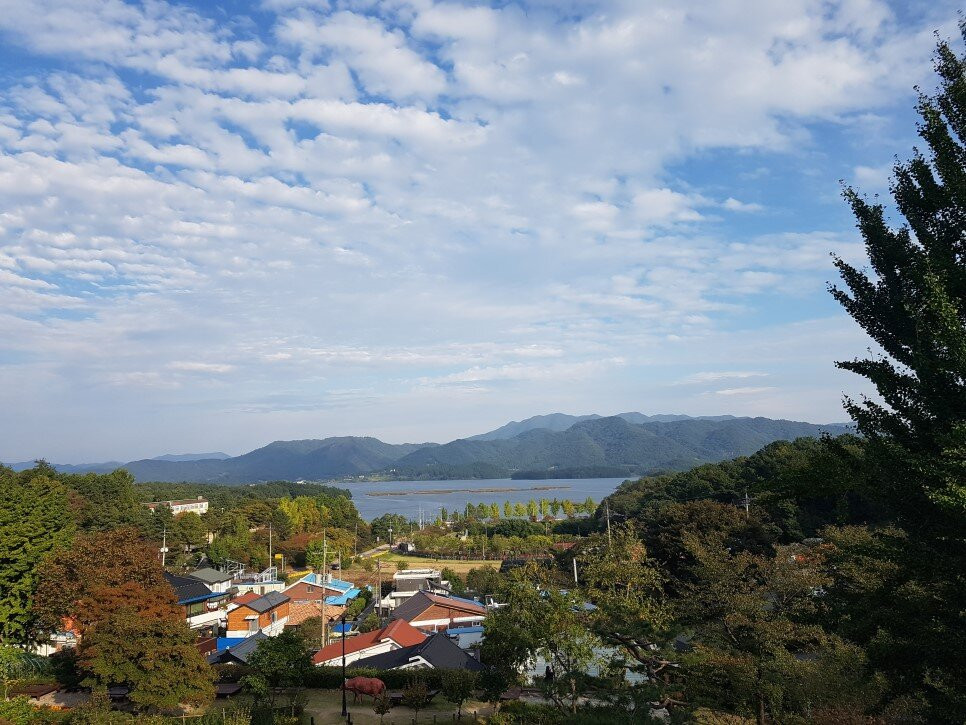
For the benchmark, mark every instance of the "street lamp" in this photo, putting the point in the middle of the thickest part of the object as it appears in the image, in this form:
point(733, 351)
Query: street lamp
point(345, 712)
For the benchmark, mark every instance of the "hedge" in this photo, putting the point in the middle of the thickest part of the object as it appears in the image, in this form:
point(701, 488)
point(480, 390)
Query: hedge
point(330, 678)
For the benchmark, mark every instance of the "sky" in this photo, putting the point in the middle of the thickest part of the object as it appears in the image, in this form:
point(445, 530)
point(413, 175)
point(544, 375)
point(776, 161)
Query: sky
point(225, 223)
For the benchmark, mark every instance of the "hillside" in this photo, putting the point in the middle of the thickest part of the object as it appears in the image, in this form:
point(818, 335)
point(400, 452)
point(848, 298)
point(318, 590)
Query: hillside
point(562, 421)
point(617, 444)
point(648, 447)
point(282, 460)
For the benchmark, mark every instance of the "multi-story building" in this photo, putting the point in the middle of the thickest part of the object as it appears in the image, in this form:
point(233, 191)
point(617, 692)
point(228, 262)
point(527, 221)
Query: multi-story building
point(194, 505)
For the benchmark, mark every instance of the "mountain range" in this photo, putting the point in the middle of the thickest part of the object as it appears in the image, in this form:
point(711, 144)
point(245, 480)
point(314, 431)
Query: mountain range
point(624, 444)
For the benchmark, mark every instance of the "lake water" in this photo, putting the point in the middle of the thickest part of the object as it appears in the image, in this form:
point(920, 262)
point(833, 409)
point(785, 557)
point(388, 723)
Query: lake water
point(410, 497)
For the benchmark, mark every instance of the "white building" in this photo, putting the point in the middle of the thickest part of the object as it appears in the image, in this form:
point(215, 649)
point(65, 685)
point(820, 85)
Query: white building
point(194, 505)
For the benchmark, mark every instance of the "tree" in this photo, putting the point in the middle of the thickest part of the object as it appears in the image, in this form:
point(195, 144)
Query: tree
point(380, 526)
point(99, 574)
point(555, 507)
point(416, 696)
point(589, 506)
point(483, 579)
point(313, 631)
point(631, 614)
point(913, 305)
point(190, 531)
point(370, 623)
point(34, 520)
point(455, 580)
point(112, 587)
point(458, 686)
point(156, 657)
point(532, 509)
point(381, 705)
point(507, 509)
point(15, 664)
point(278, 662)
point(756, 646)
point(542, 621)
point(519, 509)
point(494, 511)
point(568, 508)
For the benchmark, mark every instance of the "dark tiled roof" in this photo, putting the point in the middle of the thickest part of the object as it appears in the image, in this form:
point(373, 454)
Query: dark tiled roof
point(267, 602)
point(187, 589)
point(441, 652)
point(210, 576)
point(239, 652)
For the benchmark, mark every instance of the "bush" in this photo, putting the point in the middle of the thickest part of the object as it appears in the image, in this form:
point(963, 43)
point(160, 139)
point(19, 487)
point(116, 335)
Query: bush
point(330, 678)
point(401, 565)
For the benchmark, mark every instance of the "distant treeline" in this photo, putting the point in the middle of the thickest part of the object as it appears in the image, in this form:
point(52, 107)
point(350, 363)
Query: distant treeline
point(578, 472)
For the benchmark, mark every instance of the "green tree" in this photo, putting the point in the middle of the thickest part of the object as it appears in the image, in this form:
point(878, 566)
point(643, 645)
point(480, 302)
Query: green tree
point(34, 519)
point(912, 303)
point(16, 664)
point(756, 646)
point(370, 623)
point(568, 508)
point(483, 579)
point(589, 506)
point(631, 614)
point(519, 509)
point(416, 696)
point(381, 705)
point(458, 687)
point(507, 509)
point(542, 621)
point(278, 662)
point(455, 580)
point(153, 653)
point(494, 511)
point(532, 509)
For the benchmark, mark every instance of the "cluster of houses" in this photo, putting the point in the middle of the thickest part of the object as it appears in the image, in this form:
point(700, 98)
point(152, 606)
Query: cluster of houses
point(422, 624)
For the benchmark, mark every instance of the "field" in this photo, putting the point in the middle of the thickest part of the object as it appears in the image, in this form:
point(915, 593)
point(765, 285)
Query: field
point(358, 575)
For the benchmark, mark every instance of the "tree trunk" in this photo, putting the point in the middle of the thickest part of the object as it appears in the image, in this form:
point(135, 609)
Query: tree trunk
point(761, 710)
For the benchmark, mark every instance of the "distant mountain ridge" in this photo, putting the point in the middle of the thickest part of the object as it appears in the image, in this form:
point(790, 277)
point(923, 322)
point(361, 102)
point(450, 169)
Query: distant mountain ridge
point(629, 441)
point(562, 421)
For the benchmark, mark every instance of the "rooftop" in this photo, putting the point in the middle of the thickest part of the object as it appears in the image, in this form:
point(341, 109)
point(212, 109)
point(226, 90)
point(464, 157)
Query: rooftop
point(400, 632)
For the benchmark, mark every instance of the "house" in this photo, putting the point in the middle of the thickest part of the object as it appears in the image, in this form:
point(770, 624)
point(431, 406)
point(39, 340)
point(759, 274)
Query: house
point(466, 637)
point(216, 581)
point(435, 652)
point(267, 613)
point(203, 608)
point(194, 505)
point(260, 583)
point(434, 612)
point(315, 587)
point(407, 582)
point(235, 651)
point(300, 611)
point(395, 635)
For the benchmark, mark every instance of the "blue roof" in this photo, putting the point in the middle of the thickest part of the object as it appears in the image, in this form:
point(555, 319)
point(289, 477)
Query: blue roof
point(465, 600)
point(478, 629)
point(202, 598)
point(223, 643)
point(313, 578)
point(342, 628)
point(343, 599)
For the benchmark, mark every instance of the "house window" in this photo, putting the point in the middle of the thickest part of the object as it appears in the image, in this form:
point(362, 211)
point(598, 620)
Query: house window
point(274, 617)
point(252, 625)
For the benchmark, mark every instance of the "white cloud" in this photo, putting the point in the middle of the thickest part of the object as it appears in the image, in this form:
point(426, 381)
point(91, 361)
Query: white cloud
point(743, 391)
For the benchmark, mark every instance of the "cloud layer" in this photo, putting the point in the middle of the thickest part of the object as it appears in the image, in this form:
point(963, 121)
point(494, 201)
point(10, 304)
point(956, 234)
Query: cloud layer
point(419, 219)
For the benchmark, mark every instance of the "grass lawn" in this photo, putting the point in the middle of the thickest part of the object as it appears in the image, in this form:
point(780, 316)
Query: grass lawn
point(326, 707)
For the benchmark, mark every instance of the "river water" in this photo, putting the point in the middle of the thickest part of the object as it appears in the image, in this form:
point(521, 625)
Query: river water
point(410, 497)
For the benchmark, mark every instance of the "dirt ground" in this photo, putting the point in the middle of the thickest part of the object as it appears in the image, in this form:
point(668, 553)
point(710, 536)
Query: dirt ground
point(360, 577)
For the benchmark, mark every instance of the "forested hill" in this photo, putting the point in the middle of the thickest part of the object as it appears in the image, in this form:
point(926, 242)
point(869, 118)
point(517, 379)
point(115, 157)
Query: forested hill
point(593, 444)
point(614, 441)
point(282, 460)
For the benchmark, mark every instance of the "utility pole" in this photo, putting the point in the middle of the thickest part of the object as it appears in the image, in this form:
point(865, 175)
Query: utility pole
point(390, 537)
point(164, 544)
point(271, 561)
point(379, 593)
point(607, 508)
point(746, 502)
point(325, 622)
point(355, 541)
point(575, 571)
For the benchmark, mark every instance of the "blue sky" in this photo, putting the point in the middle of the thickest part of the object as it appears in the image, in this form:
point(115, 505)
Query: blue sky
point(225, 223)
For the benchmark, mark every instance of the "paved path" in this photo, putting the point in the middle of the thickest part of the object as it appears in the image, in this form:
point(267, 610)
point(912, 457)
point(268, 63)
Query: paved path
point(372, 552)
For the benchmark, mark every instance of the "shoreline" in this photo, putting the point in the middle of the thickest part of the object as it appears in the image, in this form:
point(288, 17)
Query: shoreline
point(437, 491)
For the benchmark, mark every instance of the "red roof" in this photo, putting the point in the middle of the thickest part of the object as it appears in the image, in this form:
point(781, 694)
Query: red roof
point(245, 598)
point(399, 631)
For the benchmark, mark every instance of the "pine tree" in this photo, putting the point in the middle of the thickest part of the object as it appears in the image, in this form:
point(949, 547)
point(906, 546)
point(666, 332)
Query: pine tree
point(913, 305)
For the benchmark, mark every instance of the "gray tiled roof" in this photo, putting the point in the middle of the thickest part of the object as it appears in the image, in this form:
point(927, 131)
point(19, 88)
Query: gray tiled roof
point(267, 601)
point(438, 650)
point(210, 576)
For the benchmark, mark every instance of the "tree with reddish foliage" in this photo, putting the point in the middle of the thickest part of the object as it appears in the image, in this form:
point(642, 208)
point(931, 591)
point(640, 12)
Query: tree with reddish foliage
point(132, 631)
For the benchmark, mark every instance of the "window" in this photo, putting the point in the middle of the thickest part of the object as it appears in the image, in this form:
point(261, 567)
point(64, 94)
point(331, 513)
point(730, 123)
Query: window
point(252, 625)
point(274, 617)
